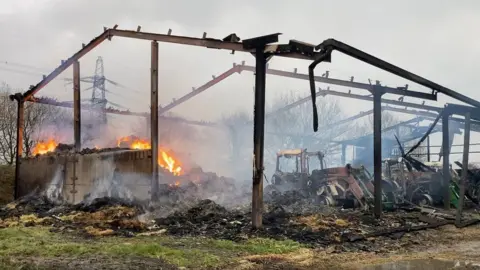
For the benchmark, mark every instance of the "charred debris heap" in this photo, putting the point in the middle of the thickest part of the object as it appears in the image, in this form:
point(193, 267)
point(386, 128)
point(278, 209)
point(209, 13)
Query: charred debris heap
point(263, 48)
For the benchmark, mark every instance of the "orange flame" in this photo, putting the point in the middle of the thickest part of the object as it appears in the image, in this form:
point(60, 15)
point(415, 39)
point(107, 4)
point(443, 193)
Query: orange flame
point(44, 147)
point(134, 142)
point(165, 160)
point(169, 163)
point(176, 184)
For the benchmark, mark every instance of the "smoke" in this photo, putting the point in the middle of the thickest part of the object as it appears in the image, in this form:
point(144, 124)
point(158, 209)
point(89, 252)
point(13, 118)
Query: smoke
point(110, 185)
point(55, 188)
point(175, 191)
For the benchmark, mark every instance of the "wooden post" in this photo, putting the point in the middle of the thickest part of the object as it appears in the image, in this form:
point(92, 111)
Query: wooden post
point(258, 137)
point(154, 119)
point(76, 106)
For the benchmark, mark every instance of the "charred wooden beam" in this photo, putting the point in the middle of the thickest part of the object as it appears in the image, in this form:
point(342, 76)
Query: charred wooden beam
point(154, 119)
point(76, 106)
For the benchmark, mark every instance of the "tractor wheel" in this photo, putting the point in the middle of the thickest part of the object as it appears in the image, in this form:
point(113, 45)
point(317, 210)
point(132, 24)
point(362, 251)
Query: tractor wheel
point(325, 199)
point(425, 200)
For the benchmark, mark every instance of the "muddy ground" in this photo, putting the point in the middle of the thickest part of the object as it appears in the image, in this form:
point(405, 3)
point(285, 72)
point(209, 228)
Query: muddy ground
point(447, 244)
point(115, 234)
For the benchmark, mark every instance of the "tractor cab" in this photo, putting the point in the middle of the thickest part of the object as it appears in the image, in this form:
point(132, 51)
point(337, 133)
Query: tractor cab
point(294, 166)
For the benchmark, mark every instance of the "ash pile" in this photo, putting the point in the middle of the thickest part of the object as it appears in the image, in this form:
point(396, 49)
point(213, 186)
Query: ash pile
point(292, 216)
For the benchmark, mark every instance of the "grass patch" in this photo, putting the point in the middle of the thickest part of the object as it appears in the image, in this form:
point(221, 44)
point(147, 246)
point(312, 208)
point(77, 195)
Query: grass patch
point(188, 252)
point(257, 246)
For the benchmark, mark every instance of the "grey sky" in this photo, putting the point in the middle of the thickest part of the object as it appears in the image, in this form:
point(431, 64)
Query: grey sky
point(437, 39)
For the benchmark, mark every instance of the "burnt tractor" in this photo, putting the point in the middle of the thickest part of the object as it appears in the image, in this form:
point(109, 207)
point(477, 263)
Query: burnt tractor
point(294, 168)
point(306, 172)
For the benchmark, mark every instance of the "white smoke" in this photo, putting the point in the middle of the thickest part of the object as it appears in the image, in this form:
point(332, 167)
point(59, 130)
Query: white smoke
point(111, 184)
point(55, 188)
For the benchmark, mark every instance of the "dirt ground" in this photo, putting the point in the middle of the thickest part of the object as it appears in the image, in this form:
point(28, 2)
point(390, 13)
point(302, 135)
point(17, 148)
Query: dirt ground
point(38, 248)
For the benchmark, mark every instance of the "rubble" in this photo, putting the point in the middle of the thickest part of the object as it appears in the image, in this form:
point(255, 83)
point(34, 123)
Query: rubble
point(101, 217)
point(183, 210)
point(349, 229)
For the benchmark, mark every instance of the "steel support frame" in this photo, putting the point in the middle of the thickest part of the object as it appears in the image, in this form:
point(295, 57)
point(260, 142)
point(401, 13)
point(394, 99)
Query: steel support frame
point(468, 113)
point(377, 151)
point(446, 161)
point(344, 153)
point(154, 120)
point(76, 107)
point(386, 101)
point(428, 149)
point(327, 46)
point(47, 101)
point(463, 110)
point(357, 85)
point(196, 91)
point(291, 50)
point(463, 179)
point(430, 111)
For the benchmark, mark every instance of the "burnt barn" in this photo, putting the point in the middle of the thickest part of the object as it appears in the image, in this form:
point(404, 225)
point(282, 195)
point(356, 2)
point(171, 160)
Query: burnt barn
point(79, 170)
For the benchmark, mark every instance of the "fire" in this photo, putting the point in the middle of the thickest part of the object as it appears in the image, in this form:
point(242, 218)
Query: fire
point(43, 147)
point(133, 142)
point(176, 184)
point(169, 163)
point(166, 161)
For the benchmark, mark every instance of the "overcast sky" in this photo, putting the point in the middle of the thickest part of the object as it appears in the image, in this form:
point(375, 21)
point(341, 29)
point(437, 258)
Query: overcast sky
point(437, 39)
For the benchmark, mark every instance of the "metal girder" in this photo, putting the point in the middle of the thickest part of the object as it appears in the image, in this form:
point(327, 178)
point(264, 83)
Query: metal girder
point(446, 161)
point(463, 110)
point(329, 45)
point(431, 111)
point(294, 49)
point(48, 101)
point(327, 127)
point(200, 89)
point(290, 50)
point(358, 85)
point(65, 64)
point(386, 101)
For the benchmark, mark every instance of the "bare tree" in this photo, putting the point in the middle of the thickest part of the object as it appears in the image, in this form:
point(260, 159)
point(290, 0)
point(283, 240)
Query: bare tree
point(366, 127)
point(285, 129)
point(239, 129)
point(293, 128)
point(36, 117)
point(8, 116)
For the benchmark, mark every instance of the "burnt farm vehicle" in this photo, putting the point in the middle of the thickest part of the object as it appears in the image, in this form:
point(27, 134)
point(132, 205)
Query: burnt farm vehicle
point(304, 171)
